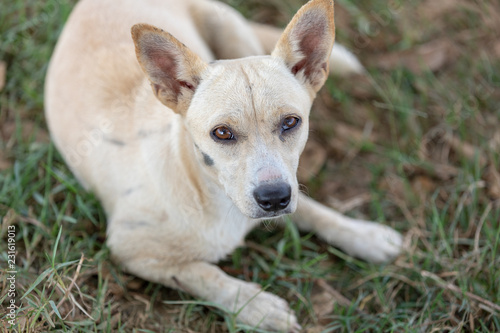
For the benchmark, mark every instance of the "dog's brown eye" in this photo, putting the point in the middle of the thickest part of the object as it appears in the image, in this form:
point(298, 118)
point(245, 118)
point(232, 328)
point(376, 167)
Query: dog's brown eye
point(223, 133)
point(289, 123)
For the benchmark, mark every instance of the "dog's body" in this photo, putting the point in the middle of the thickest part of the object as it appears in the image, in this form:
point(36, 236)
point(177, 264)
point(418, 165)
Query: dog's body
point(184, 170)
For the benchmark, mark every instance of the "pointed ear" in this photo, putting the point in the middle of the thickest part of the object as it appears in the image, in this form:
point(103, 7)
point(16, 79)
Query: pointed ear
point(174, 70)
point(307, 42)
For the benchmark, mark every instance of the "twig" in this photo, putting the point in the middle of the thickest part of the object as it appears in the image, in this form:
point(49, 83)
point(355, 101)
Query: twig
point(454, 288)
point(341, 299)
point(73, 280)
point(479, 227)
point(67, 291)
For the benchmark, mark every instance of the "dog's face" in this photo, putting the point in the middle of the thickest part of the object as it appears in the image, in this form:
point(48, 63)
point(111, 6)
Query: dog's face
point(248, 118)
point(249, 123)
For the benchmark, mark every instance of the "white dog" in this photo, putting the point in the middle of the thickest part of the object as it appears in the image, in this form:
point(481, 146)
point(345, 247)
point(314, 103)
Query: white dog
point(188, 153)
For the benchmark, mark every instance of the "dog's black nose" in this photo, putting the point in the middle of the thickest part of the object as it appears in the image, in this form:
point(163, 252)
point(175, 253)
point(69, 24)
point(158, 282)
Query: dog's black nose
point(273, 197)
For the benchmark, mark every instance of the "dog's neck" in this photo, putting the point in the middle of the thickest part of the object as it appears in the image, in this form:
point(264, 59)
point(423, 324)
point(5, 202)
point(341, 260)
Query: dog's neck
point(178, 164)
point(193, 170)
point(201, 186)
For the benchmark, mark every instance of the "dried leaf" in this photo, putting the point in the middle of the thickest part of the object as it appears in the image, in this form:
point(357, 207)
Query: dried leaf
point(8, 129)
point(394, 185)
point(444, 171)
point(343, 18)
point(494, 143)
point(359, 86)
point(323, 300)
point(347, 137)
point(334, 294)
point(350, 204)
point(322, 304)
point(3, 73)
point(350, 134)
point(135, 284)
point(4, 162)
point(492, 180)
point(423, 186)
point(465, 149)
point(437, 147)
point(440, 171)
point(496, 49)
point(432, 9)
point(431, 56)
point(116, 289)
point(315, 329)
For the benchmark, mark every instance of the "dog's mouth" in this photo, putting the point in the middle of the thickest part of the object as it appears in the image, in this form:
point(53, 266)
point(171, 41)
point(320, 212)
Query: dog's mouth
point(263, 215)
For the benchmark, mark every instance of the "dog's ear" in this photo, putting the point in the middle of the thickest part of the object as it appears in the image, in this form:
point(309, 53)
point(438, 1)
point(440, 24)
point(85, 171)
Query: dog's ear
point(173, 69)
point(307, 42)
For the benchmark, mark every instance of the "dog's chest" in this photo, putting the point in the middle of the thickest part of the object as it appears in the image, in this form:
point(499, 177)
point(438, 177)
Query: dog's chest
point(224, 231)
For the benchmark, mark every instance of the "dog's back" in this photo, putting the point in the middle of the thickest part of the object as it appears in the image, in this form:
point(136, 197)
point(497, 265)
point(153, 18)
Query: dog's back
point(94, 85)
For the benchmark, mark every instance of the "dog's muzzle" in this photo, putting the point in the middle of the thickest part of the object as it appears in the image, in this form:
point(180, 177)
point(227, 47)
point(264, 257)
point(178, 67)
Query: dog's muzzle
point(273, 197)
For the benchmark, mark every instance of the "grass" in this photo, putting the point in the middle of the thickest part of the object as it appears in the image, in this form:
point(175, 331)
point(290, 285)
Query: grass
point(430, 169)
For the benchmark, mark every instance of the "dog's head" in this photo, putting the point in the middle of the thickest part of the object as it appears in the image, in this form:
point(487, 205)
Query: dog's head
point(248, 118)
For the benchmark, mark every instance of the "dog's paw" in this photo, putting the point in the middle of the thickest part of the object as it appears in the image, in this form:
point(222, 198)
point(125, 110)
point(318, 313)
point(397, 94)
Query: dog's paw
point(261, 309)
point(370, 241)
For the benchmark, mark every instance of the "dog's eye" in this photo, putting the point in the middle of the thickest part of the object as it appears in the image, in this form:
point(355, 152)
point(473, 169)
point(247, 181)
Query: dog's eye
point(223, 133)
point(289, 123)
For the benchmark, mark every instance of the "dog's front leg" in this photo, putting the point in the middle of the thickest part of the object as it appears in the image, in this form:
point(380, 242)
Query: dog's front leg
point(367, 240)
point(206, 281)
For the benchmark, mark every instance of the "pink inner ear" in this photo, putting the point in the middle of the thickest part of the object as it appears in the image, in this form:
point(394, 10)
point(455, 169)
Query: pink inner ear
point(187, 85)
point(298, 66)
point(312, 33)
point(166, 70)
point(162, 65)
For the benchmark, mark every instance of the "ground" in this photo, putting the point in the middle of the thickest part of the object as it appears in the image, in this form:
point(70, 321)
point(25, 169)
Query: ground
point(414, 144)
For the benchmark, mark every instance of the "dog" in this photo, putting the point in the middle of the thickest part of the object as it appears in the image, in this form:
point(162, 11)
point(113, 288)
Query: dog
point(189, 146)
